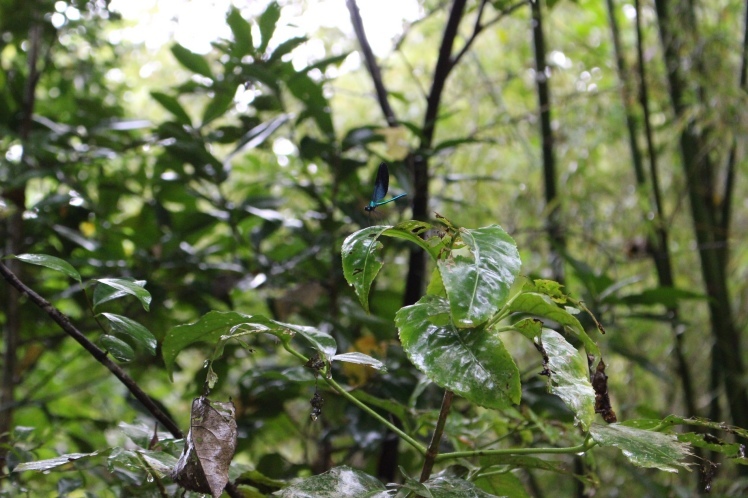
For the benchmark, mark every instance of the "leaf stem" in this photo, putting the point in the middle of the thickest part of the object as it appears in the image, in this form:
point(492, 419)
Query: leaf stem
point(580, 448)
point(433, 451)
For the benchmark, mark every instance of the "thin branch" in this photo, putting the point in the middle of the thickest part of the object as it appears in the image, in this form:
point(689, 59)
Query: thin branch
point(98, 354)
point(371, 63)
point(433, 450)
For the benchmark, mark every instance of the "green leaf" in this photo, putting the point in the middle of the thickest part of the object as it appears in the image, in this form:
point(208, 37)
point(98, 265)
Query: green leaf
point(50, 262)
point(286, 47)
point(360, 359)
point(338, 482)
point(208, 329)
point(49, 464)
point(242, 32)
point(362, 260)
point(529, 327)
point(473, 363)
point(192, 61)
point(267, 23)
point(118, 348)
point(104, 293)
point(478, 273)
point(569, 377)
point(643, 448)
point(128, 287)
point(132, 329)
point(542, 306)
point(452, 487)
point(502, 484)
point(219, 104)
point(172, 105)
point(361, 253)
point(321, 341)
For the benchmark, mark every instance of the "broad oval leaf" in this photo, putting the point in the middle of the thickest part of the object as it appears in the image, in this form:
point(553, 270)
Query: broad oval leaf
point(643, 448)
point(362, 260)
point(192, 61)
point(128, 287)
point(472, 363)
point(50, 262)
point(361, 253)
point(360, 359)
point(117, 348)
point(338, 482)
point(478, 274)
point(132, 329)
point(543, 306)
point(569, 377)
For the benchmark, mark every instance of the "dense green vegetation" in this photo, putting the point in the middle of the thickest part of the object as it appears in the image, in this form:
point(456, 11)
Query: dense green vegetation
point(556, 307)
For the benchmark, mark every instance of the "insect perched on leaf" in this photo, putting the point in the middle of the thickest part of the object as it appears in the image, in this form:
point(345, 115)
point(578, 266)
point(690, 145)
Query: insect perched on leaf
point(381, 185)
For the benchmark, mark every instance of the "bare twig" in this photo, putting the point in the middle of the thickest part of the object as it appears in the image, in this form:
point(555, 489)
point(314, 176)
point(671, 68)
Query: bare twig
point(371, 63)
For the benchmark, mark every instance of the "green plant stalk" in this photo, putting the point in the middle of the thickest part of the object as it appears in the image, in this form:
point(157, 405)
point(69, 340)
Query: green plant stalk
point(580, 448)
point(341, 390)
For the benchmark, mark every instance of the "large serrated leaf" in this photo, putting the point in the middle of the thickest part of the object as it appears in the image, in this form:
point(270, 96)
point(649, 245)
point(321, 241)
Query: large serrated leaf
point(643, 448)
point(339, 482)
point(543, 306)
point(569, 377)
point(50, 262)
point(470, 362)
point(478, 274)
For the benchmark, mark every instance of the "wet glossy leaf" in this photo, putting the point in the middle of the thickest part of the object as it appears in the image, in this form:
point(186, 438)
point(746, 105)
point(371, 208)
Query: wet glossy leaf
point(569, 377)
point(51, 463)
point(643, 448)
point(543, 306)
point(128, 287)
point(470, 362)
point(452, 487)
point(104, 293)
point(192, 61)
point(50, 262)
point(478, 274)
point(132, 329)
point(362, 258)
point(339, 482)
point(360, 359)
point(118, 348)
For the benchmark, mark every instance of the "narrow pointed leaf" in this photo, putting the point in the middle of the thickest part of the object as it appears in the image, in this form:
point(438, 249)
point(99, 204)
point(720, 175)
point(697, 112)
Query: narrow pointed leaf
point(472, 363)
point(267, 23)
point(118, 348)
point(192, 61)
point(51, 463)
point(321, 341)
point(50, 262)
point(104, 293)
point(242, 32)
point(172, 105)
point(569, 377)
point(478, 274)
point(132, 329)
point(360, 359)
point(128, 287)
point(643, 448)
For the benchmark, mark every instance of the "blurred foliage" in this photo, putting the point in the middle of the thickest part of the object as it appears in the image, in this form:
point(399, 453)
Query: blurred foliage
point(233, 185)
